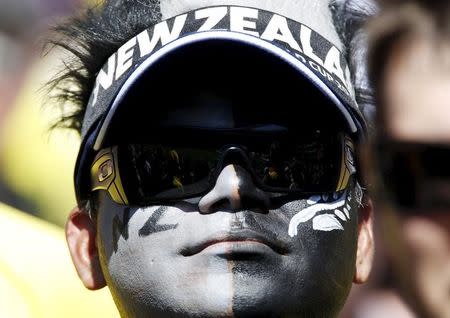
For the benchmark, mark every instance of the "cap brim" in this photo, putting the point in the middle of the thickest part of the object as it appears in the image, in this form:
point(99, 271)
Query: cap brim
point(229, 41)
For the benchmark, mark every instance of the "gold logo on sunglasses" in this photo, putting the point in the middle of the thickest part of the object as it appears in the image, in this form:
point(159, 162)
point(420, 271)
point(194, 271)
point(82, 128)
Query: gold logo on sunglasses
point(105, 171)
point(105, 176)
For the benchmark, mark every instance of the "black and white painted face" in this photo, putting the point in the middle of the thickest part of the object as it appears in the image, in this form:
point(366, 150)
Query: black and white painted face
point(238, 252)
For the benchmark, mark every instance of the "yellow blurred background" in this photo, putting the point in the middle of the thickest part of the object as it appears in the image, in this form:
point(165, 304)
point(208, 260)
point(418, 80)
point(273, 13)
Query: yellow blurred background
point(37, 277)
point(35, 162)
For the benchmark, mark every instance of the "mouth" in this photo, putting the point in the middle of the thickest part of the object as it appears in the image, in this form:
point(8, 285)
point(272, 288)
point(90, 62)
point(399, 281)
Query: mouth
point(236, 242)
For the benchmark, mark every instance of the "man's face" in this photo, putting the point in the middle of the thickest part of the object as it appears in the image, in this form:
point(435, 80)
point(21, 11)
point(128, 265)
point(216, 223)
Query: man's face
point(417, 110)
point(238, 251)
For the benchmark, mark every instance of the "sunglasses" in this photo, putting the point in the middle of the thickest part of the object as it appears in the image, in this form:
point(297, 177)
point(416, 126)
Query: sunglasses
point(414, 176)
point(149, 174)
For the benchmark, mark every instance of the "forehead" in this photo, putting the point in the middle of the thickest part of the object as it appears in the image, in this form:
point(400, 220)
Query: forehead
point(417, 94)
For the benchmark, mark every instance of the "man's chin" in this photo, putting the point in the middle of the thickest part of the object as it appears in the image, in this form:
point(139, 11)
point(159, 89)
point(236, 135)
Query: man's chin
point(257, 291)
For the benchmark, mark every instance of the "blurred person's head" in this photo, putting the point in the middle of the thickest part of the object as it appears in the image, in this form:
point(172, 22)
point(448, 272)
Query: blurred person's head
point(410, 67)
point(221, 181)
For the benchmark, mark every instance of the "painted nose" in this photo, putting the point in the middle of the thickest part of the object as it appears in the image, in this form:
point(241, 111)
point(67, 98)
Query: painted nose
point(234, 190)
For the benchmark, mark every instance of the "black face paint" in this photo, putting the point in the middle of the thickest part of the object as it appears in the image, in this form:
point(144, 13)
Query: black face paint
point(306, 275)
point(246, 221)
point(313, 279)
point(120, 227)
point(152, 226)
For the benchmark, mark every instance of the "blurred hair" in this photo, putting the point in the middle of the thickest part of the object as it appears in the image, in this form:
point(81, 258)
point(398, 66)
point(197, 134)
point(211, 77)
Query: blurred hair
point(90, 38)
point(437, 10)
point(350, 17)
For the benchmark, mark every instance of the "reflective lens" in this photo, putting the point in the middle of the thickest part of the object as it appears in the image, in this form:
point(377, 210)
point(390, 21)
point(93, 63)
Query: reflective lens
point(156, 172)
point(150, 173)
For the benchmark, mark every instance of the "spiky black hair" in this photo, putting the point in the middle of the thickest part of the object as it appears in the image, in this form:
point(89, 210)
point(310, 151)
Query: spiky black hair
point(90, 38)
point(350, 17)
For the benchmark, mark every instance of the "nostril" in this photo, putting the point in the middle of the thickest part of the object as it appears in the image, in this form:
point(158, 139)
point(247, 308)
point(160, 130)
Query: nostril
point(222, 204)
point(245, 203)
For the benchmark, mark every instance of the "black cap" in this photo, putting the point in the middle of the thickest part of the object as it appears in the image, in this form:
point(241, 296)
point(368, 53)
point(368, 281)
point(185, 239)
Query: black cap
point(236, 40)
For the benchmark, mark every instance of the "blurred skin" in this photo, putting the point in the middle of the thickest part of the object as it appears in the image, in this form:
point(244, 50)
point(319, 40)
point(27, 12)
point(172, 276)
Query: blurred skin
point(419, 66)
point(422, 66)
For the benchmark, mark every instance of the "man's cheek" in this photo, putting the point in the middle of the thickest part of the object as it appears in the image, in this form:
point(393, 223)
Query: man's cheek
point(154, 224)
point(119, 225)
point(324, 213)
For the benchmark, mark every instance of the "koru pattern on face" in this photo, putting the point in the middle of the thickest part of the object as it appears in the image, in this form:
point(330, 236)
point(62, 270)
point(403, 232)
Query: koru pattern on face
point(338, 202)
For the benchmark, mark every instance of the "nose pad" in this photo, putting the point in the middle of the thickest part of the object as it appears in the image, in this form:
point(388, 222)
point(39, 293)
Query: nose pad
point(234, 190)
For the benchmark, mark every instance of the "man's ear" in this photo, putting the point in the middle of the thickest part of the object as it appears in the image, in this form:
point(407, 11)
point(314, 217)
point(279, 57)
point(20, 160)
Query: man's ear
point(366, 244)
point(80, 235)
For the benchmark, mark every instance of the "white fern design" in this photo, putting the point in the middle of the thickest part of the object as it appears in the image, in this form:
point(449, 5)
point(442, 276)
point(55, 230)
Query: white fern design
point(322, 222)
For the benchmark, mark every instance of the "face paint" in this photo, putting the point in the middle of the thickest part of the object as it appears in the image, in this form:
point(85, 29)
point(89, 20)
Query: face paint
point(149, 276)
point(175, 261)
point(340, 205)
point(152, 225)
point(313, 278)
point(120, 227)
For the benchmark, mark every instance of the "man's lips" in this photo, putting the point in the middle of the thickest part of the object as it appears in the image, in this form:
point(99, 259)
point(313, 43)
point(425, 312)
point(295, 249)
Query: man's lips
point(236, 237)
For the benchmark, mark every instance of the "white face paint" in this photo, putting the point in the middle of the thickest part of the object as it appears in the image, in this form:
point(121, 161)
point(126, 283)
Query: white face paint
point(157, 264)
point(339, 206)
point(147, 269)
